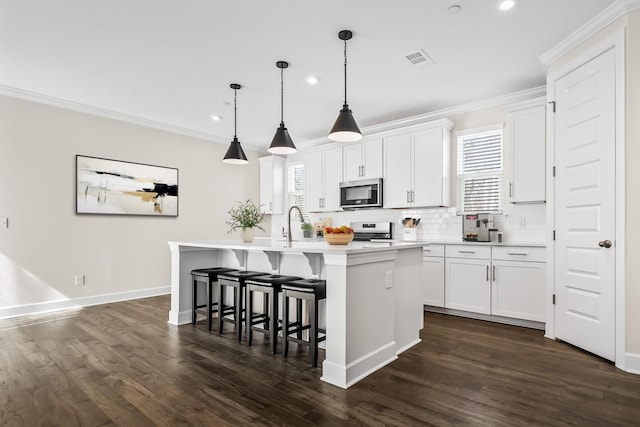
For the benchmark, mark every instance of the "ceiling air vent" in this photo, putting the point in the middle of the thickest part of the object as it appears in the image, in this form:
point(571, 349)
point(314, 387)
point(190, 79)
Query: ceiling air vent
point(419, 58)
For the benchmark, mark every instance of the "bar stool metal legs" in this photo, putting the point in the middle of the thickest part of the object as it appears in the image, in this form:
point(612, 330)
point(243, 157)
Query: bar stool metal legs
point(235, 280)
point(208, 276)
point(312, 290)
point(270, 286)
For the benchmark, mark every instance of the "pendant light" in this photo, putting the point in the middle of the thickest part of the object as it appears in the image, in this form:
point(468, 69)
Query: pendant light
point(282, 142)
point(235, 154)
point(345, 129)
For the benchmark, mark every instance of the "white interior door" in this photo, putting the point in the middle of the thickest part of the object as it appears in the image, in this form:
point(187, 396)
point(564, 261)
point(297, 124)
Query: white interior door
point(585, 206)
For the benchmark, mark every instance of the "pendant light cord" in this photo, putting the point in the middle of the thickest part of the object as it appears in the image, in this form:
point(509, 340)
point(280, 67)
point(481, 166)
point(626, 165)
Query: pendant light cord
point(235, 113)
point(345, 72)
point(282, 95)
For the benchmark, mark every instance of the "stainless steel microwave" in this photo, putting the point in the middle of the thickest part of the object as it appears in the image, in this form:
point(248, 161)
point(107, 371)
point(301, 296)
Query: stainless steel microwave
point(366, 193)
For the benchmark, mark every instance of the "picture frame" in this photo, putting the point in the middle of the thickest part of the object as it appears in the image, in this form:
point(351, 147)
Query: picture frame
point(117, 187)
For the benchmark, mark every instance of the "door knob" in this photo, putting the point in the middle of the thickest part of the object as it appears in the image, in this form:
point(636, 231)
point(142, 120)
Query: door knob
point(604, 243)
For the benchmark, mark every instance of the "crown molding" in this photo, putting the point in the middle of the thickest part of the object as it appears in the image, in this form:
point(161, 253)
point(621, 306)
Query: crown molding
point(590, 28)
point(498, 101)
point(114, 115)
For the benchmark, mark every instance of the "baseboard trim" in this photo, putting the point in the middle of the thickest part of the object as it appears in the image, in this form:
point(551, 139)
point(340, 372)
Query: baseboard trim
point(49, 306)
point(489, 318)
point(344, 376)
point(632, 363)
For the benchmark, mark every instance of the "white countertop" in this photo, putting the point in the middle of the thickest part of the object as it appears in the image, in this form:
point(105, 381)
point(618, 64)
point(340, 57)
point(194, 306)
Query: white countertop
point(266, 244)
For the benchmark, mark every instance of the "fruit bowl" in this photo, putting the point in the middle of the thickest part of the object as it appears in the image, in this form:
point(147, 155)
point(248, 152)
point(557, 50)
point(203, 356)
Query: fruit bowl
point(338, 239)
point(342, 235)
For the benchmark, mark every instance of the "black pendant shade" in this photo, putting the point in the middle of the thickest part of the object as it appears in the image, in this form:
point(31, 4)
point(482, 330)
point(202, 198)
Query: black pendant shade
point(345, 129)
point(235, 154)
point(282, 142)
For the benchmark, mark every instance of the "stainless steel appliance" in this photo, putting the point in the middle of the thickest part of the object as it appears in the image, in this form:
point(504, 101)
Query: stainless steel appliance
point(475, 227)
point(372, 230)
point(366, 193)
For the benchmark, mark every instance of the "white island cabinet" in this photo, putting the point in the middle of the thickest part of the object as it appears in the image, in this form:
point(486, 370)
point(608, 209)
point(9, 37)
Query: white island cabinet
point(373, 309)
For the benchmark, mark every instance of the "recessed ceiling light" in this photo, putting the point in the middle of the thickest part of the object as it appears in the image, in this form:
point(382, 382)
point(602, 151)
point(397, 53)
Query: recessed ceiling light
point(454, 9)
point(312, 80)
point(216, 118)
point(226, 104)
point(506, 4)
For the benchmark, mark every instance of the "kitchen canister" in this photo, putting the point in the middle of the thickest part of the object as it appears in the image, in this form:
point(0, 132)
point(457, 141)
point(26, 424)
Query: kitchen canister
point(410, 234)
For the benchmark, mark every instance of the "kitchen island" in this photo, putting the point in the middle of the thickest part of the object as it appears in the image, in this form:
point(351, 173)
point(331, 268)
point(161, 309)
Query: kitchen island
point(373, 310)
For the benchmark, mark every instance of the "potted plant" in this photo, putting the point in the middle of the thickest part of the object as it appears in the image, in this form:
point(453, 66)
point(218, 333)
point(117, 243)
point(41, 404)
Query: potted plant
point(306, 229)
point(247, 217)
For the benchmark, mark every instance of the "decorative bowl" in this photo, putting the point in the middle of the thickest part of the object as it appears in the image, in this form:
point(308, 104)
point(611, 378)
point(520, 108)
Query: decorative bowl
point(338, 238)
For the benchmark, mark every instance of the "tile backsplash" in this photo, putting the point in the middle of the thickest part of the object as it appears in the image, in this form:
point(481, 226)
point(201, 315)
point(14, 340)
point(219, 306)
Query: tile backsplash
point(519, 223)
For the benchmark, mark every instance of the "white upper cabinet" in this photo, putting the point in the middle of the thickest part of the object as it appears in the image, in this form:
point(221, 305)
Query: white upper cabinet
point(362, 160)
point(398, 171)
point(272, 184)
point(432, 167)
point(527, 140)
point(417, 167)
point(322, 177)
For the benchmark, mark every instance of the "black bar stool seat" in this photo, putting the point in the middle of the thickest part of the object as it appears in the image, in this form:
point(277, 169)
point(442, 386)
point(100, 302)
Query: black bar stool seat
point(208, 276)
point(270, 286)
point(236, 280)
point(312, 290)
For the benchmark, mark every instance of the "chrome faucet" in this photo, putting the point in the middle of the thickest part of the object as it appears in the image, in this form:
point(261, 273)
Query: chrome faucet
point(289, 221)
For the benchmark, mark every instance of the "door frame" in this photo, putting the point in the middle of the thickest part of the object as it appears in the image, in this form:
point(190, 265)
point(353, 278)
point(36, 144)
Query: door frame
point(616, 41)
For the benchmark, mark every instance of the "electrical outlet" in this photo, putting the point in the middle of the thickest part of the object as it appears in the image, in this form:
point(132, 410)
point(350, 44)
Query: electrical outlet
point(389, 281)
point(4, 222)
point(80, 280)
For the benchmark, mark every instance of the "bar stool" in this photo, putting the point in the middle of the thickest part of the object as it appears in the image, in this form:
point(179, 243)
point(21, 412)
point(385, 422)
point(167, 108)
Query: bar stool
point(208, 276)
point(312, 290)
point(236, 280)
point(270, 286)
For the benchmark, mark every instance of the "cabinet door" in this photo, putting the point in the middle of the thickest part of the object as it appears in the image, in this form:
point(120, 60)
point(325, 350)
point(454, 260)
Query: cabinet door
point(518, 290)
point(431, 157)
point(332, 168)
point(397, 177)
point(372, 159)
point(266, 185)
point(433, 281)
point(313, 181)
point(352, 161)
point(468, 286)
point(527, 137)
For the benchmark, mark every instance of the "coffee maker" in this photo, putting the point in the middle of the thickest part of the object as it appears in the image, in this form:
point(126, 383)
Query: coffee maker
point(475, 227)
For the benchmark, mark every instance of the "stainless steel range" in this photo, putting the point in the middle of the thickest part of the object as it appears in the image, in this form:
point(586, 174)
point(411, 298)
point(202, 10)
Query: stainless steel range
point(365, 231)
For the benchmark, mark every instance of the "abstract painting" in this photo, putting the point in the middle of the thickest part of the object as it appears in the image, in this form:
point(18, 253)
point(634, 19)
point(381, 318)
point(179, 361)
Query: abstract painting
point(106, 186)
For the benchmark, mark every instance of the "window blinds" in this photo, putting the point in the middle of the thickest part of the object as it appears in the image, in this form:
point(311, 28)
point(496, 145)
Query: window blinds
point(480, 172)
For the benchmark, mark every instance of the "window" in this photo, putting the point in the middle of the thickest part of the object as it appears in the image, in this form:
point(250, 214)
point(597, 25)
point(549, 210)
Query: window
point(480, 170)
point(295, 187)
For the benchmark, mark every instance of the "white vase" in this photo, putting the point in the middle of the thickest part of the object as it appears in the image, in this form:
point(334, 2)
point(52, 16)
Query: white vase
point(247, 234)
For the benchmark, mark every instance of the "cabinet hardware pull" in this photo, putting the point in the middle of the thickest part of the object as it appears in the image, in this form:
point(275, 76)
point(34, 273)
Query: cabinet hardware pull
point(511, 189)
point(466, 252)
point(487, 273)
point(408, 196)
point(494, 273)
point(427, 250)
point(516, 253)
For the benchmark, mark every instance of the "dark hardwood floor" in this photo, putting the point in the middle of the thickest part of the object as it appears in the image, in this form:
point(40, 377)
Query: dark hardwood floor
point(122, 364)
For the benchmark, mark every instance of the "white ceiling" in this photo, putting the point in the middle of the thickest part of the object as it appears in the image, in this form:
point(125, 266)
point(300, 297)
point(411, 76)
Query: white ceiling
point(172, 61)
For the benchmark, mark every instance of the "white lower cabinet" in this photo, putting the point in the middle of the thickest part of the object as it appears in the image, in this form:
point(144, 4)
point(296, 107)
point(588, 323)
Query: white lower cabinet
point(518, 283)
point(468, 287)
point(505, 281)
point(433, 275)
